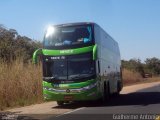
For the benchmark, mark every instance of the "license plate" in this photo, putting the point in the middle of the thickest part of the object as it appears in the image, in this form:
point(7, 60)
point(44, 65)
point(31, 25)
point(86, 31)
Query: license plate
point(68, 97)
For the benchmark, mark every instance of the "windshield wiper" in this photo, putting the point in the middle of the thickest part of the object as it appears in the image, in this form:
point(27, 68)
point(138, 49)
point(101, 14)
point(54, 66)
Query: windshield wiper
point(53, 79)
point(78, 76)
point(49, 79)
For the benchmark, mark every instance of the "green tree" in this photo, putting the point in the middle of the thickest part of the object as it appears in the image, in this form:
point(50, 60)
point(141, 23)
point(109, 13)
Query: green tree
point(153, 65)
point(13, 45)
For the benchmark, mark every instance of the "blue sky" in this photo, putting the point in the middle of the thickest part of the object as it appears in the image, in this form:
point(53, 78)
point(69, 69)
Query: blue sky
point(134, 24)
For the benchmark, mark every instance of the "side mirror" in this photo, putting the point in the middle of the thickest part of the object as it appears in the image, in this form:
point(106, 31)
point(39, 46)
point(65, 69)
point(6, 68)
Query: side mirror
point(36, 54)
point(95, 52)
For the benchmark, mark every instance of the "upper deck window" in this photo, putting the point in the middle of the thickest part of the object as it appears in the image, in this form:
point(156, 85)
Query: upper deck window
point(68, 36)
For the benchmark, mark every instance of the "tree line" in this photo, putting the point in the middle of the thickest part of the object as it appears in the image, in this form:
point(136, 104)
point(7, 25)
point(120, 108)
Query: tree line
point(149, 66)
point(13, 45)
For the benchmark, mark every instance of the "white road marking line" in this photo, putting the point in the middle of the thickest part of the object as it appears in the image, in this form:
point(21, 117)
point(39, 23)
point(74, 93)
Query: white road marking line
point(71, 111)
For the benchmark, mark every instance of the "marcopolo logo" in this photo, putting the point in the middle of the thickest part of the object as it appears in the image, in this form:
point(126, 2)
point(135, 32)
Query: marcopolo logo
point(67, 91)
point(66, 51)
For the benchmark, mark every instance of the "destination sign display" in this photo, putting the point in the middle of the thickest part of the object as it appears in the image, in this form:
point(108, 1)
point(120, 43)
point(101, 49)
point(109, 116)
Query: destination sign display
point(52, 58)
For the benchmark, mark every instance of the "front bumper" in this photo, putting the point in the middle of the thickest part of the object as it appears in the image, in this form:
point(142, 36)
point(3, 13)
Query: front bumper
point(71, 94)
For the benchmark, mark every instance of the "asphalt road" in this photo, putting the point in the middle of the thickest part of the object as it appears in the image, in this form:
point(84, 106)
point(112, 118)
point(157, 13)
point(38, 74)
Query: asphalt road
point(138, 104)
point(135, 102)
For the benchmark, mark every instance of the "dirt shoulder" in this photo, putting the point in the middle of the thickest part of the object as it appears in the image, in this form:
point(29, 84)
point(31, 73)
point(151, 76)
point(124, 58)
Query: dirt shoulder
point(137, 87)
point(39, 110)
point(142, 81)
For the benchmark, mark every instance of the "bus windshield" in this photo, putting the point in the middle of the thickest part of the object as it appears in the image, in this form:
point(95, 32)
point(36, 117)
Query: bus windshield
point(71, 68)
point(68, 36)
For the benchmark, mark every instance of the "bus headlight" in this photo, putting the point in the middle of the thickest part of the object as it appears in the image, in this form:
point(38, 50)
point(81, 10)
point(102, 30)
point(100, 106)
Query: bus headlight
point(89, 86)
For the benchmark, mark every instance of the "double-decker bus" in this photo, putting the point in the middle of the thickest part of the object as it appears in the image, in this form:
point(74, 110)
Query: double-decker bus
point(80, 62)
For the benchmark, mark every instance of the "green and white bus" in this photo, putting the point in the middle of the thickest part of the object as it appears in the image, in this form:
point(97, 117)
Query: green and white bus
point(80, 62)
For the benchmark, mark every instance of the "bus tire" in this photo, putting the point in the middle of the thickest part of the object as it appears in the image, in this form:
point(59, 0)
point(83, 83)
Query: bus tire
point(60, 103)
point(106, 93)
point(118, 88)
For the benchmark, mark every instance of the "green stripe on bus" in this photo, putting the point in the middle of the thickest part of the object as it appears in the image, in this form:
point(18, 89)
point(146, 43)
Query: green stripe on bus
point(68, 51)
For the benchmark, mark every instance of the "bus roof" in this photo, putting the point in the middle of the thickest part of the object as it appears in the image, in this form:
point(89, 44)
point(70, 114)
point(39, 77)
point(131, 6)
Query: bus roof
point(74, 24)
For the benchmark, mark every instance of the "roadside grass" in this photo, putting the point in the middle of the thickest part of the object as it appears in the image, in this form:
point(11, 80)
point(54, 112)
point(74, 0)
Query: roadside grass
point(130, 78)
point(20, 84)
